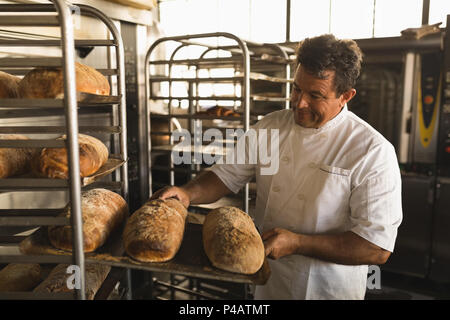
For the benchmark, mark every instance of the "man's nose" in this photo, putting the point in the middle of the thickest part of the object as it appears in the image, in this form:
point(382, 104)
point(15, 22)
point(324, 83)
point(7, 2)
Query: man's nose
point(300, 102)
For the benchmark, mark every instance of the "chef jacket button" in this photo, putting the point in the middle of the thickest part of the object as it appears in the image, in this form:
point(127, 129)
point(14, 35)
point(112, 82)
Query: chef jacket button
point(285, 159)
point(301, 196)
point(312, 165)
point(276, 189)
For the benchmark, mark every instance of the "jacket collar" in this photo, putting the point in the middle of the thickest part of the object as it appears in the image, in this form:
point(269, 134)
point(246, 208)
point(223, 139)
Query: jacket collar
point(330, 124)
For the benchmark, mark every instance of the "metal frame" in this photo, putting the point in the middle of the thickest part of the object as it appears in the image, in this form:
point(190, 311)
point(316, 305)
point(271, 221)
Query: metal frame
point(244, 56)
point(71, 129)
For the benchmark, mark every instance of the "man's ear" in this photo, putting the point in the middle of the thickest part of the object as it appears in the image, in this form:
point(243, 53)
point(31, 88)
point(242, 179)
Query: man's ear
point(347, 96)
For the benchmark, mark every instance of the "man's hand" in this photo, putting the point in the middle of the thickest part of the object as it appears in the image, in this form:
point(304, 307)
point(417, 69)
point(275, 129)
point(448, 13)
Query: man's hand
point(172, 192)
point(205, 188)
point(280, 242)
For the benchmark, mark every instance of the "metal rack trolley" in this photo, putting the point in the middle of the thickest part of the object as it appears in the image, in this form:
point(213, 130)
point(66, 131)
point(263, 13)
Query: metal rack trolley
point(250, 61)
point(245, 57)
point(70, 105)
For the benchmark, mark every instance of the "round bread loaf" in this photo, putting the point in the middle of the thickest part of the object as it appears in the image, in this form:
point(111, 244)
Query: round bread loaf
point(53, 163)
point(231, 241)
point(9, 85)
point(154, 232)
point(48, 83)
point(103, 211)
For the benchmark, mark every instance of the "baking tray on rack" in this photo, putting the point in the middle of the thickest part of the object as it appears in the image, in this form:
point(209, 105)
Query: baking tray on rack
point(190, 260)
point(30, 181)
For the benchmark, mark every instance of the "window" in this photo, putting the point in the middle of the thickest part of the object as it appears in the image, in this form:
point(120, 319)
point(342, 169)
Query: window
point(439, 9)
point(309, 18)
point(352, 19)
point(391, 17)
point(265, 20)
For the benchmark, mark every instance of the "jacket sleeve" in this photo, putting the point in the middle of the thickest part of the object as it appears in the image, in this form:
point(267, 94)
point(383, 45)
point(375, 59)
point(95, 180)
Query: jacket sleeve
point(375, 201)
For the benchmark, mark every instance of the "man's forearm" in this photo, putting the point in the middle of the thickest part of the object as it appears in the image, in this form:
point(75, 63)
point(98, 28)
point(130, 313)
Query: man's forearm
point(205, 188)
point(345, 248)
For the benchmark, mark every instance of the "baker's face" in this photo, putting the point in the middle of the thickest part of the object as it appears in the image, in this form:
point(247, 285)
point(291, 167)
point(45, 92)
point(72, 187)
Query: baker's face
point(314, 101)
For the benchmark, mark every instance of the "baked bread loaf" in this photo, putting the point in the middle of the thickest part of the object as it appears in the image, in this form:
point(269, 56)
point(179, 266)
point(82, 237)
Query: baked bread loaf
point(231, 241)
point(95, 275)
point(20, 277)
point(154, 232)
point(218, 111)
point(103, 211)
point(52, 162)
point(9, 85)
point(48, 83)
point(15, 161)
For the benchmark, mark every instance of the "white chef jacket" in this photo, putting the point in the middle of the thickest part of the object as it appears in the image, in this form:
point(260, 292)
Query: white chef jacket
point(342, 176)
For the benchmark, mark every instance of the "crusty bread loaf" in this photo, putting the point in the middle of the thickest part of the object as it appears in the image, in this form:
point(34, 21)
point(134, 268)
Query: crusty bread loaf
point(48, 82)
point(103, 212)
point(9, 85)
point(231, 241)
point(95, 275)
point(20, 277)
point(15, 161)
point(154, 232)
point(52, 162)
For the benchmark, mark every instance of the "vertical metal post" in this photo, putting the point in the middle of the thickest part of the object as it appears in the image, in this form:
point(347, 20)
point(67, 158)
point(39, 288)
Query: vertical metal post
point(288, 20)
point(246, 101)
point(120, 62)
point(425, 12)
point(71, 113)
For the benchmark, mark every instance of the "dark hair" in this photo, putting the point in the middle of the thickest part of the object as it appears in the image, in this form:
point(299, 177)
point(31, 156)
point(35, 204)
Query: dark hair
point(324, 53)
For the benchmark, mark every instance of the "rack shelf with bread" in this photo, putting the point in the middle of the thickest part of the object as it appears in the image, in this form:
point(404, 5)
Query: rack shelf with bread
point(178, 80)
point(32, 199)
point(209, 81)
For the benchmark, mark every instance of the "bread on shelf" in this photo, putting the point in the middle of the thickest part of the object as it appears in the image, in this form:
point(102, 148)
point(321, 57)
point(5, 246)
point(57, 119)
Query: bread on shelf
point(103, 212)
point(155, 231)
point(9, 85)
point(48, 83)
point(57, 281)
point(15, 161)
point(53, 162)
point(20, 277)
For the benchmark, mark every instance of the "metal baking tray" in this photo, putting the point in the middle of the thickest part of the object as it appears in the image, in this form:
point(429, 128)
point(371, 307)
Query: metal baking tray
point(190, 259)
point(30, 182)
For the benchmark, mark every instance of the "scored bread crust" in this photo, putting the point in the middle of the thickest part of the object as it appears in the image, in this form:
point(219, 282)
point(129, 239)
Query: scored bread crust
point(155, 231)
point(232, 242)
point(41, 83)
point(103, 211)
point(53, 162)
